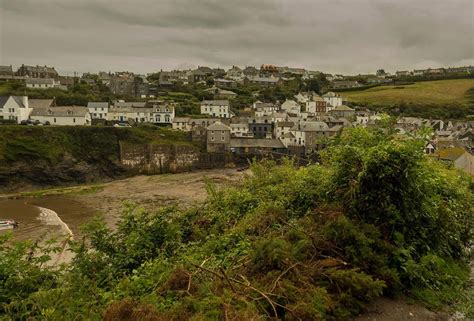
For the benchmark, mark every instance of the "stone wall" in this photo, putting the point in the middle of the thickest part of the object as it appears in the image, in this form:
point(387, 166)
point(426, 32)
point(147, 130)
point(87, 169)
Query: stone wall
point(158, 159)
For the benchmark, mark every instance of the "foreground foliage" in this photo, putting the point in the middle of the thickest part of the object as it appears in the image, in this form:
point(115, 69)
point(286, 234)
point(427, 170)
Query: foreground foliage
point(312, 243)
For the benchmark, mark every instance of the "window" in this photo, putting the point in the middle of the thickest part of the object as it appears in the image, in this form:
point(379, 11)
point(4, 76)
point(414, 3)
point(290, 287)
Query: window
point(222, 137)
point(74, 120)
point(54, 120)
point(212, 138)
point(212, 132)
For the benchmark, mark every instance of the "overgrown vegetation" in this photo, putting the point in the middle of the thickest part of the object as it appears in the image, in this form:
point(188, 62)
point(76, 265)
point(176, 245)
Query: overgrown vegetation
point(375, 218)
point(51, 144)
point(45, 156)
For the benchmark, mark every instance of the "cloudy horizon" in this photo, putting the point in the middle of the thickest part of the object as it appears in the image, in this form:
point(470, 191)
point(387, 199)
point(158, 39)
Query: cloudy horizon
point(335, 36)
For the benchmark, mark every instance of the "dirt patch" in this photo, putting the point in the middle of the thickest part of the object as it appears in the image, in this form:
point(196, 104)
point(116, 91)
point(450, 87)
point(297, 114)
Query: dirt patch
point(384, 309)
point(155, 191)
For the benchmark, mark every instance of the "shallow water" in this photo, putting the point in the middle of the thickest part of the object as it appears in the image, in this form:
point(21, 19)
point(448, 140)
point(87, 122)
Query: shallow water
point(45, 216)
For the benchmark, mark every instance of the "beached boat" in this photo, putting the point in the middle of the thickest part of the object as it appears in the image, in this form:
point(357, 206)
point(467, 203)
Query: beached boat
point(7, 224)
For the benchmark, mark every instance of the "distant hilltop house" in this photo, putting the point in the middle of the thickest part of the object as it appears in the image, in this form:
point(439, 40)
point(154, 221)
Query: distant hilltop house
point(344, 84)
point(14, 108)
point(37, 71)
point(403, 73)
point(216, 108)
point(262, 81)
point(129, 84)
point(63, 115)
point(221, 93)
point(6, 71)
point(378, 80)
point(41, 83)
point(227, 83)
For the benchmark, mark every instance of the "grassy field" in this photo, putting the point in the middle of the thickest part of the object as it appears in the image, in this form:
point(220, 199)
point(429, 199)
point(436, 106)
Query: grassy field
point(426, 92)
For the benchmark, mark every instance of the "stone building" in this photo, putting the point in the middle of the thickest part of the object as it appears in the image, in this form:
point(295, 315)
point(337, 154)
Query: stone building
point(218, 138)
point(37, 72)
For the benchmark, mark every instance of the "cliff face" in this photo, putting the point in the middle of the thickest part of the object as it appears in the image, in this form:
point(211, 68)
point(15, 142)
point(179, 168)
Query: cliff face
point(52, 156)
point(157, 159)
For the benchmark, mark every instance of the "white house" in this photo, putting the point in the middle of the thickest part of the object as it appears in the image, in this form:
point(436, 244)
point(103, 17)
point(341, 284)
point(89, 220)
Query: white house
point(181, 123)
point(14, 108)
point(282, 128)
point(137, 114)
point(265, 109)
point(291, 107)
point(163, 111)
point(64, 115)
point(216, 108)
point(41, 83)
point(333, 100)
point(98, 110)
point(288, 139)
point(304, 96)
point(240, 130)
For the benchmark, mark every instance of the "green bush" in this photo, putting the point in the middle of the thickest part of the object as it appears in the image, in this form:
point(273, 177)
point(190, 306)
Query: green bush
point(376, 217)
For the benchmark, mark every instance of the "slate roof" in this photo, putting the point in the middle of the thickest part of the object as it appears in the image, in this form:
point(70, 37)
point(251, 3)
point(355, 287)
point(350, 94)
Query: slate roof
point(285, 124)
point(343, 108)
point(41, 81)
point(215, 102)
point(255, 142)
point(181, 119)
point(40, 103)
point(452, 153)
point(17, 99)
point(218, 126)
point(288, 135)
point(311, 126)
point(61, 111)
point(129, 104)
point(97, 104)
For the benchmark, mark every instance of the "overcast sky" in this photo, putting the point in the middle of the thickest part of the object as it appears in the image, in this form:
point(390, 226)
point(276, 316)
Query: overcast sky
point(337, 36)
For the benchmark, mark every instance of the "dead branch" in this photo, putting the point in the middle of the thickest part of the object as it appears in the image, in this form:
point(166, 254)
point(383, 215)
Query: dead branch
point(281, 275)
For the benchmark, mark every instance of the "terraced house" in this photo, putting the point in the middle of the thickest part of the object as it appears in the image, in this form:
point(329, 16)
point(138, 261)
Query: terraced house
point(63, 115)
point(216, 108)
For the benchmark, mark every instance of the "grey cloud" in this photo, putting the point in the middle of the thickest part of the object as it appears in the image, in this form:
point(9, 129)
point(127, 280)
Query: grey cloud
point(344, 36)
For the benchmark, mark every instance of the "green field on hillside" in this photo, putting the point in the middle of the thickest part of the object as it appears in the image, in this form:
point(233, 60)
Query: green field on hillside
point(427, 92)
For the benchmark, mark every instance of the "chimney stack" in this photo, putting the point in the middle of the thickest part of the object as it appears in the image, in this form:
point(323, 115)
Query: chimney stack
point(24, 100)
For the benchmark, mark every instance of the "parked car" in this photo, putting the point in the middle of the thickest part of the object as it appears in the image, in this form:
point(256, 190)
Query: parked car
point(122, 125)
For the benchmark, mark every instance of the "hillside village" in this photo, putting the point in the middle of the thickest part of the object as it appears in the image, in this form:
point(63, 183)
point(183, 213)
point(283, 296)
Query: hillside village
point(300, 125)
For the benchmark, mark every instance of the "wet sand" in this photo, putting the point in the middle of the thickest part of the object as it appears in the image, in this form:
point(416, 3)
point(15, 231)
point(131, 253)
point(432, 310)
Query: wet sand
point(152, 192)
